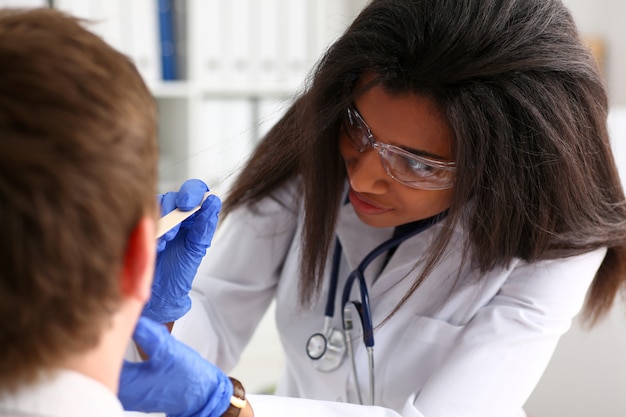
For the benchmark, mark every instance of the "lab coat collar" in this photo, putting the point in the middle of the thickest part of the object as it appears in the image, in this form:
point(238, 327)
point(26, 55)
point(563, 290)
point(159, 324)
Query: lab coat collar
point(404, 267)
point(64, 394)
point(358, 239)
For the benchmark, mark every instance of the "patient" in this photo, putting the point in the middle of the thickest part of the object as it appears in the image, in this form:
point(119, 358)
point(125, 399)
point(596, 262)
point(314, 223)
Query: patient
point(78, 173)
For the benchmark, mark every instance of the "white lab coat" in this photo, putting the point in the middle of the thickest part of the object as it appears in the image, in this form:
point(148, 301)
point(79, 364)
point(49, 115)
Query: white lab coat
point(475, 349)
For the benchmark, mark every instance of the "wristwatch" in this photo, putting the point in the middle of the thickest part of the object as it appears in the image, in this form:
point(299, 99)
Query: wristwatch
point(238, 399)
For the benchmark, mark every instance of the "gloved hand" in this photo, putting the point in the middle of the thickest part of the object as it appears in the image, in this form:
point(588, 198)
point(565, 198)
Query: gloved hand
point(175, 380)
point(180, 251)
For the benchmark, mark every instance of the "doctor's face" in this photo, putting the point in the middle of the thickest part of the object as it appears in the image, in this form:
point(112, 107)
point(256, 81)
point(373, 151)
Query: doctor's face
point(384, 188)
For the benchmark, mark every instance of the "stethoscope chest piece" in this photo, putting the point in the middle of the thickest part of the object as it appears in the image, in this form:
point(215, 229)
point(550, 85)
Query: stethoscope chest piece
point(326, 351)
point(328, 348)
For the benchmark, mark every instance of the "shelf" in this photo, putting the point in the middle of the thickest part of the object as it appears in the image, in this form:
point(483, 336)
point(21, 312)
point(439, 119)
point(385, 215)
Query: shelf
point(185, 89)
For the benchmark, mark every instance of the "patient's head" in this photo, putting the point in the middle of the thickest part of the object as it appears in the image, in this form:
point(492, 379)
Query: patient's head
point(78, 169)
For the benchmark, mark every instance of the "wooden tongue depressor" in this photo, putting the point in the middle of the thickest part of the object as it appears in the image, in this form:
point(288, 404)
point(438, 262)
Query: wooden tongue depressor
point(176, 216)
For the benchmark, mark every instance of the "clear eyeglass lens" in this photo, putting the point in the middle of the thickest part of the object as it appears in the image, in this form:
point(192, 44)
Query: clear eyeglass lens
point(358, 135)
point(413, 172)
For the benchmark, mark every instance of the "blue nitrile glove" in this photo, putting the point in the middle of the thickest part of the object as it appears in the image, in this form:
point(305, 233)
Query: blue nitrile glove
point(180, 251)
point(175, 380)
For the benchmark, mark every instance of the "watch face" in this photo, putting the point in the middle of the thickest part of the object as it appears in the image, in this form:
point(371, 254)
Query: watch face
point(316, 346)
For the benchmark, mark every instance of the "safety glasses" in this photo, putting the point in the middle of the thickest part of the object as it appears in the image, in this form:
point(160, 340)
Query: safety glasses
point(405, 167)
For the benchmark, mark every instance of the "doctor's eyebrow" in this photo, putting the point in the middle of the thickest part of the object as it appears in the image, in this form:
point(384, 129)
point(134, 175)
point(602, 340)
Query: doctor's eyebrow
point(417, 152)
point(421, 152)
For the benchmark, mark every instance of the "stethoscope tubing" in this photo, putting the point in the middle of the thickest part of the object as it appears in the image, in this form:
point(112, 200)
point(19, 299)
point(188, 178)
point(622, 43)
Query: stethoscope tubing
point(359, 274)
point(363, 307)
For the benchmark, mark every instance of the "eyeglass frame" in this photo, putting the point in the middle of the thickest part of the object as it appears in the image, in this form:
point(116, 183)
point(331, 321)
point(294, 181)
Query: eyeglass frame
point(354, 116)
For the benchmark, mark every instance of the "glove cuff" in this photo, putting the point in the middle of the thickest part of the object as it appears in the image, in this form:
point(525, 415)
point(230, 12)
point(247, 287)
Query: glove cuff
point(218, 400)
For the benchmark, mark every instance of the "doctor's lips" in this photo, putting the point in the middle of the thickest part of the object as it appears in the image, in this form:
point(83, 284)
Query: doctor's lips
point(364, 206)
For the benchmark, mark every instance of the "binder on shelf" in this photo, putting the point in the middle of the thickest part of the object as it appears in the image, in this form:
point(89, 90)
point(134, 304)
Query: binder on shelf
point(271, 110)
point(180, 37)
point(174, 130)
point(237, 36)
point(267, 36)
point(142, 35)
point(223, 140)
point(128, 26)
point(207, 46)
point(103, 17)
point(167, 41)
point(299, 33)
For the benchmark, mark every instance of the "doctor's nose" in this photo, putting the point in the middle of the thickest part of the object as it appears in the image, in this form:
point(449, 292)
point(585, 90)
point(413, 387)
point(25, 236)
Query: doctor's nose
point(365, 170)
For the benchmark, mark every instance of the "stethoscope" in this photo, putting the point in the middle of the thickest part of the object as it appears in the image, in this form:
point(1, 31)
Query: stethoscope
point(328, 348)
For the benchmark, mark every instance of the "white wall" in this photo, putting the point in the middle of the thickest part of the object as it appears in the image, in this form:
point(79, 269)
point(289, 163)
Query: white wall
point(605, 18)
point(587, 374)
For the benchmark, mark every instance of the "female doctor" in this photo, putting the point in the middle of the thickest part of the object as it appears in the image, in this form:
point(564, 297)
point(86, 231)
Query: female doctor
point(429, 216)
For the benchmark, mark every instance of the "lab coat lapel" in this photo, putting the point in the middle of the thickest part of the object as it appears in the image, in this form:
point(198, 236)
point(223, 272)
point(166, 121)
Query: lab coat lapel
point(401, 273)
point(402, 265)
point(358, 239)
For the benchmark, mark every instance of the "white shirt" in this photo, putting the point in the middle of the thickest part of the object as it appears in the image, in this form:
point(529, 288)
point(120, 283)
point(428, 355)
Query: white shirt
point(460, 346)
point(65, 394)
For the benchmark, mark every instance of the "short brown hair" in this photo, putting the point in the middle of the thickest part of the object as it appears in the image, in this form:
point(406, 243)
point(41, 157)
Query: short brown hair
point(78, 169)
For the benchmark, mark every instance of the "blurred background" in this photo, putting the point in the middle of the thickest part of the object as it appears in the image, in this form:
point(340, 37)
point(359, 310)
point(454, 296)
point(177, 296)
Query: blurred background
point(224, 71)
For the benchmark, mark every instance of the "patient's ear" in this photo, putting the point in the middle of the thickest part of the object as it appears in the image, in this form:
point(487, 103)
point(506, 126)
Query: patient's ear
point(138, 268)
